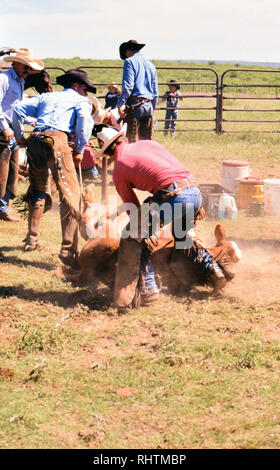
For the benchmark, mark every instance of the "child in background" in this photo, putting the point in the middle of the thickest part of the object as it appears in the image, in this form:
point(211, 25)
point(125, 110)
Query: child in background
point(172, 97)
point(112, 96)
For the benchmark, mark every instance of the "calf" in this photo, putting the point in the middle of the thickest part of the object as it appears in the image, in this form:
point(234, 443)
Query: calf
point(175, 270)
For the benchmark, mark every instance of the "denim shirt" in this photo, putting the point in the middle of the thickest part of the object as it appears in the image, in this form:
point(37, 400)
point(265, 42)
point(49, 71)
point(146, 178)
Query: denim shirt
point(65, 111)
point(139, 79)
point(11, 93)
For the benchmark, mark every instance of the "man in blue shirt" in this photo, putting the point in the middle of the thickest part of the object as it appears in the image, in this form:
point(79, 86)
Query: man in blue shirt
point(58, 115)
point(139, 95)
point(11, 92)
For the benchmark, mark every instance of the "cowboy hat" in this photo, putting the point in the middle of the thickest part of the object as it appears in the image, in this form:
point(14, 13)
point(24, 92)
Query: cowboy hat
point(116, 119)
point(95, 103)
point(99, 115)
point(174, 83)
point(75, 74)
point(25, 56)
point(108, 135)
point(131, 45)
point(115, 86)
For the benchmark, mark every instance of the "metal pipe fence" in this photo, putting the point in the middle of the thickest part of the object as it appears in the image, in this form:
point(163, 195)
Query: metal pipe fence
point(216, 108)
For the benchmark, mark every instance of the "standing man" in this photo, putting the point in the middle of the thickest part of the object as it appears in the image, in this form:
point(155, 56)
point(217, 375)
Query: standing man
point(139, 94)
point(11, 92)
point(59, 115)
point(148, 166)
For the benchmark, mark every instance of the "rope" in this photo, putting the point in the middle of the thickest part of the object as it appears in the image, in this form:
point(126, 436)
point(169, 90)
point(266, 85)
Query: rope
point(81, 185)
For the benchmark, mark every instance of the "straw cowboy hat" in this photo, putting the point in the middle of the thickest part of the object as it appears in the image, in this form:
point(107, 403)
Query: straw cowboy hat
point(99, 115)
point(113, 114)
point(115, 86)
point(174, 83)
point(131, 45)
point(25, 56)
point(95, 103)
point(75, 74)
point(108, 135)
point(116, 119)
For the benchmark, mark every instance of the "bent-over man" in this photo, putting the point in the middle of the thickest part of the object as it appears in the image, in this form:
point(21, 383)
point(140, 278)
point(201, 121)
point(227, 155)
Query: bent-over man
point(59, 115)
point(149, 166)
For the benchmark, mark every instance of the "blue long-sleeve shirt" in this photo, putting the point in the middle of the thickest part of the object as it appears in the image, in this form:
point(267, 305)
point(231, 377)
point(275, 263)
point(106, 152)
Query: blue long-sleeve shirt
point(11, 93)
point(139, 79)
point(65, 111)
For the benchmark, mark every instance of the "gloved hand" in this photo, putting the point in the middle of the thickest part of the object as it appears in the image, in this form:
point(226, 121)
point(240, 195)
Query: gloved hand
point(122, 112)
point(8, 134)
point(77, 157)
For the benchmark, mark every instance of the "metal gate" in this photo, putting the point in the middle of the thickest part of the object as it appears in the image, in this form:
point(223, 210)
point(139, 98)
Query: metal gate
point(198, 90)
point(217, 103)
point(240, 96)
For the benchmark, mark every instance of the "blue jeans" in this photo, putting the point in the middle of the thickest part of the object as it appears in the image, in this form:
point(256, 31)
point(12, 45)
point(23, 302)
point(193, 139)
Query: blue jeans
point(144, 110)
point(183, 205)
point(4, 202)
point(170, 120)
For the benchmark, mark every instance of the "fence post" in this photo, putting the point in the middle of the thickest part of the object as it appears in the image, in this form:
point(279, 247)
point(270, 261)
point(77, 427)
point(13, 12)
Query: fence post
point(219, 111)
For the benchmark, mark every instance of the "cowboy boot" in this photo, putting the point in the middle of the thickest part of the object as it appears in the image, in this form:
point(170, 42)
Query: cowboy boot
point(34, 218)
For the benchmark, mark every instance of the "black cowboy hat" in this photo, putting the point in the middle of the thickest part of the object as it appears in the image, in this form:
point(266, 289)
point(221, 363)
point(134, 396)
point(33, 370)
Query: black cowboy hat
point(174, 83)
point(132, 45)
point(75, 74)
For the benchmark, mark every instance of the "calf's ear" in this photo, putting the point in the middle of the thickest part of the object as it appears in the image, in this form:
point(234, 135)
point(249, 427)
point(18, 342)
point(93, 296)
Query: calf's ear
point(220, 234)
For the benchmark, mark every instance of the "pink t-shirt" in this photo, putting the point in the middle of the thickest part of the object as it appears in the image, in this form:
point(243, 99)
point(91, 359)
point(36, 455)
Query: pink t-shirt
point(145, 165)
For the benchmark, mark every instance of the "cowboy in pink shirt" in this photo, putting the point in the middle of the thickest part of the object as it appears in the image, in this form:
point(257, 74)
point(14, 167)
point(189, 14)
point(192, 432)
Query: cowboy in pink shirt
point(148, 166)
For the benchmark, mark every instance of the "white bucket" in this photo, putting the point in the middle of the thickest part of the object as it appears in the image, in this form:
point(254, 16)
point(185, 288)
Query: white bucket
point(231, 172)
point(272, 196)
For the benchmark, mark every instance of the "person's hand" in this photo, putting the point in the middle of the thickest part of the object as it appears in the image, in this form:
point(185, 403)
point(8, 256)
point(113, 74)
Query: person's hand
point(8, 134)
point(121, 112)
point(21, 143)
point(77, 157)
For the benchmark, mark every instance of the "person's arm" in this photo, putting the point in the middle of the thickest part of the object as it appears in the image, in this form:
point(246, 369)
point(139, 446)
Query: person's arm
point(3, 90)
point(125, 190)
point(127, 83)
point(155, 90)
point(21, 112)
point(84, 125)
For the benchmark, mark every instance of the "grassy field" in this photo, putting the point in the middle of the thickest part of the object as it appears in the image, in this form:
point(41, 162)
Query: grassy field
point(193, 371)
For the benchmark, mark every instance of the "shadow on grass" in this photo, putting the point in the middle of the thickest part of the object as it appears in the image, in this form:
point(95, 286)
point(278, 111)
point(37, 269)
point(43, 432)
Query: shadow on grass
point(99, 300)
point(23, 262)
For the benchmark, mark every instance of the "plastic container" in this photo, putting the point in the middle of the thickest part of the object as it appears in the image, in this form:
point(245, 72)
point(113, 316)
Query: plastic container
point(227, 207)
point(250, 190)
point(272, 196)
point(232, 171)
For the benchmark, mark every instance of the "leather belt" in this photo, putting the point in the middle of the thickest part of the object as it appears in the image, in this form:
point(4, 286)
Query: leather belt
point(182, 184)
point(69, 135)
point(138, 98)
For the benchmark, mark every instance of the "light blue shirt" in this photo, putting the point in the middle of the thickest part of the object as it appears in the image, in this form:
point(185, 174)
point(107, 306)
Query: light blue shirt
point(11, 93)
point(65, 111)
point(139, 79)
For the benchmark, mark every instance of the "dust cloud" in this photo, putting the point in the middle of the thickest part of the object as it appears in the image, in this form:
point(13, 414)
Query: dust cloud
point(257, 278)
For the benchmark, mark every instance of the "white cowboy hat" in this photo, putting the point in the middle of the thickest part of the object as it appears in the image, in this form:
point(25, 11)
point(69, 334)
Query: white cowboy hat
point(115, 119)
point(108, 135)
point(95, 103)
point(25, 56)
point(99, 115)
